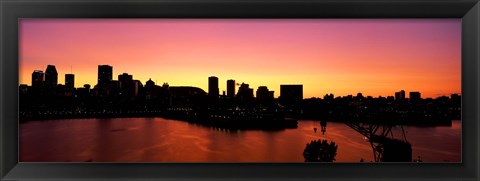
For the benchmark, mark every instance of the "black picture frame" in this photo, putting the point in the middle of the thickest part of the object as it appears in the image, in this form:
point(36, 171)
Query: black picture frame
point(12, 10)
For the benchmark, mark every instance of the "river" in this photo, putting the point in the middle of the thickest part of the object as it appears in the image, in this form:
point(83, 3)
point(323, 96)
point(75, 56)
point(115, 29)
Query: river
point(162, 140)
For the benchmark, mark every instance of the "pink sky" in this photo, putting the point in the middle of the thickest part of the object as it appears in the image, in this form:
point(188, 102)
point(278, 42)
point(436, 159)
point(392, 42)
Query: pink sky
point(341, 56)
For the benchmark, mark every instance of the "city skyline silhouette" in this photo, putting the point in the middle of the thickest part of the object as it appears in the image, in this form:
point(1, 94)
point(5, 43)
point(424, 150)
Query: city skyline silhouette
point(375, 57)
point(221, 90)
point(125, 98)
point(209, 90)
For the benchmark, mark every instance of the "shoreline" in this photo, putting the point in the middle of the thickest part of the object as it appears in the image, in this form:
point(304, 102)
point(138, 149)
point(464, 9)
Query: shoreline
point(233, 124)
point(246, 125)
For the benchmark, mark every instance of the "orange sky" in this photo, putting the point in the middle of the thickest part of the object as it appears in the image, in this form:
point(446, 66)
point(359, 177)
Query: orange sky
point(341, 56)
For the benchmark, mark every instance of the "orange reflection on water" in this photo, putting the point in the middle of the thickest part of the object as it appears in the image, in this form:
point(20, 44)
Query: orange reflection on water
point(161, 140)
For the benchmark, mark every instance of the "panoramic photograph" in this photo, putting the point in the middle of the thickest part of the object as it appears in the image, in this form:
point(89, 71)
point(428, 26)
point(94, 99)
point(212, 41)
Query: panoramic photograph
point(240, 90)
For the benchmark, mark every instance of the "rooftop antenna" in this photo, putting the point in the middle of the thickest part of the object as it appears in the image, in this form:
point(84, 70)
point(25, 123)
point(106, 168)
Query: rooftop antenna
point(70, 69)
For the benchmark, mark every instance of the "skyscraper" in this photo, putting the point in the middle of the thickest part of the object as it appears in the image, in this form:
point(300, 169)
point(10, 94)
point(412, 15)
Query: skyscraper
point(245, 94)
point(262, 93)
point(291, 95)
point(150, 89)
point(51, 76)
point(126, 84)
point(124, 79)
point(104, 75)
point(37, 78)
point(415, 96)
point(213, 86)
point(70, 81)
point(400, 95)
point(231, 88)
point(264, 96)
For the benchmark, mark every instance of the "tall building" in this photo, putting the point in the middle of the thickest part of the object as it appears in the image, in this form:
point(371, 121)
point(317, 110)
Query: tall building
point(400, 95)
point(104, 75)
point(291, 95)
point(245, 93)
point(70, 81)
point(124, 79)
point(415, 96)
point(126, 84)
point(213, 86)
point(262, 93)
point(231, 88)
point(37, 78)
point(51, 76)
point(150, 89)
point(243, 90)
point(264, 96)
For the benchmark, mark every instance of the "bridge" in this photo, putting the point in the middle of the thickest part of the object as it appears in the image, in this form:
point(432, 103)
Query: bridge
point(385, 146)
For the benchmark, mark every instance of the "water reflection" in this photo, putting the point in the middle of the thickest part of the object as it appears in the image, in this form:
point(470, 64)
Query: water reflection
point(323, 124)
point(162, 140)
point(323, 127)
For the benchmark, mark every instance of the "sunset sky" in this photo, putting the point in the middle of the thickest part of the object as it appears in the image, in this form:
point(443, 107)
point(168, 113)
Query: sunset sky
point(340, 56)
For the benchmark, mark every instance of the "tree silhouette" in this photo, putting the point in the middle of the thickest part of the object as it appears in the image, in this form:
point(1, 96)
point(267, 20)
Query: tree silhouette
point(320, 151)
